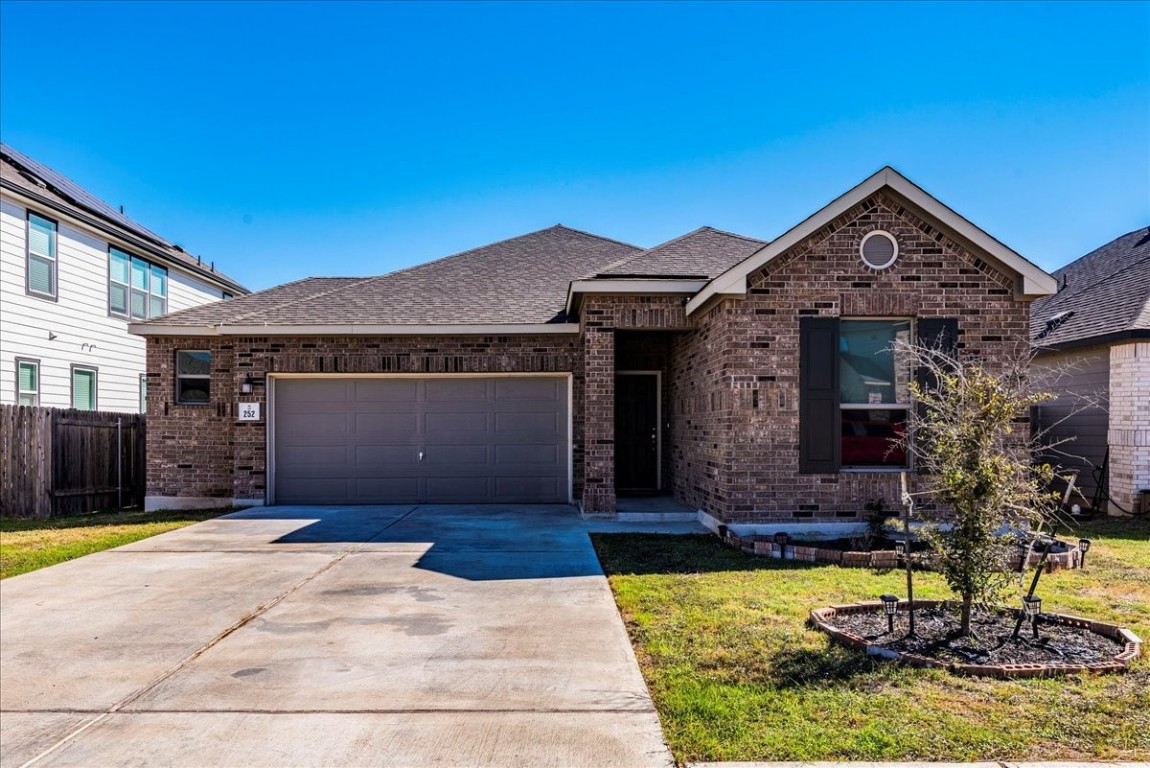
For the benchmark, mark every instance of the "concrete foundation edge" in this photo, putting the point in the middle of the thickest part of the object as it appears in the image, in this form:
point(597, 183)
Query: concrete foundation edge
point(155, 503)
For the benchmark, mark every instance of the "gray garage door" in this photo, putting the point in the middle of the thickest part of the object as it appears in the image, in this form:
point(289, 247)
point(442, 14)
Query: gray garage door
point(406, 440)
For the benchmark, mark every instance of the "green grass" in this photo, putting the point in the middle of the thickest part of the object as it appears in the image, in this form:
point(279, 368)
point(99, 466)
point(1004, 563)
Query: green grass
point(27, 545)
point(736, 674)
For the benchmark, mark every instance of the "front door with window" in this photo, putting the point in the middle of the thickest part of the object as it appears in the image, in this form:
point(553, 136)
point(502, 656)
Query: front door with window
point(637, 432)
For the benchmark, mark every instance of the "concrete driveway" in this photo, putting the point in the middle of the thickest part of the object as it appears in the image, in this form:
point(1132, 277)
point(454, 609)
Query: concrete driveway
point(293, 636)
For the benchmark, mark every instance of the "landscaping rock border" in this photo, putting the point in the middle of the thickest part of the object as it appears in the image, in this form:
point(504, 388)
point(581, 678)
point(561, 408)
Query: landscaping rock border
point(765, 546)
point(823, 619)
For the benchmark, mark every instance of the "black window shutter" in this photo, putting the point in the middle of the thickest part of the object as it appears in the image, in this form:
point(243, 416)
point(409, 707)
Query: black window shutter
point(820, 446)
point(940, 333)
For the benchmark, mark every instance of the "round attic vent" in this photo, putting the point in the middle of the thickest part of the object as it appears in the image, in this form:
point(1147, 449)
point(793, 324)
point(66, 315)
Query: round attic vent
point(879, 249)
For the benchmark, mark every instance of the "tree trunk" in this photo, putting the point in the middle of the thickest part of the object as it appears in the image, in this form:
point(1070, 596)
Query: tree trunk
point(967, 604)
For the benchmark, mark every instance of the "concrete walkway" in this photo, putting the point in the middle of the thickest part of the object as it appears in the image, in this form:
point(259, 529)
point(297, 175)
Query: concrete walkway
point(292, 636)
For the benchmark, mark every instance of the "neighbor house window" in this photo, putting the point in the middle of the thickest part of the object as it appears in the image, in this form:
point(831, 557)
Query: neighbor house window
point(83, 388)
point(874, 392)
point(143, 393)
point(137, 288)
point(193, 377)
point(41, 265)
point(27, 382)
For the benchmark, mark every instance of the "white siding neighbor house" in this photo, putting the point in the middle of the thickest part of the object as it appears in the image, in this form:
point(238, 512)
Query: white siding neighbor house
point(73, 273)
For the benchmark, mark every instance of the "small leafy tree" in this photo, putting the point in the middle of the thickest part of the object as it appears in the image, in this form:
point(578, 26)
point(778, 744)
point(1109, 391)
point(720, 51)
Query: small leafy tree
point(975, 457)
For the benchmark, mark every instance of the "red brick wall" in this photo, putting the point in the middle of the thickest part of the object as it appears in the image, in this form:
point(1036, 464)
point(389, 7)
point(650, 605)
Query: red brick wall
point(747, 351)
point(204, 451)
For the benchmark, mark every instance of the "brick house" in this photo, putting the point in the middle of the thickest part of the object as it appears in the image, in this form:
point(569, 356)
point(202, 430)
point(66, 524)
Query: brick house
point(746, 378)
point(1095, 333)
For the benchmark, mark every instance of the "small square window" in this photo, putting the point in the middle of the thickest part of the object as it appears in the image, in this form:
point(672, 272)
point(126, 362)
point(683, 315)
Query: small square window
point(193, 377)
point(27, 382)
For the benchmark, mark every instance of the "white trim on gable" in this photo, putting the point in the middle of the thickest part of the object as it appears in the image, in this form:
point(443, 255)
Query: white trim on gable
point(1033, 281)
point(631, 285)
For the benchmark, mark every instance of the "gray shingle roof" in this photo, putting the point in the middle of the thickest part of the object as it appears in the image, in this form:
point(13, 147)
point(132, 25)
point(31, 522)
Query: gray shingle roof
point(706, 252)
point(520, 280)
point(32, 177)
point(1107, 290)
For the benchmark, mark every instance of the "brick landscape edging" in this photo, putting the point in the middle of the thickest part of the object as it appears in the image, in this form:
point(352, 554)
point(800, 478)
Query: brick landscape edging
point(764, 546)
point(823, 619)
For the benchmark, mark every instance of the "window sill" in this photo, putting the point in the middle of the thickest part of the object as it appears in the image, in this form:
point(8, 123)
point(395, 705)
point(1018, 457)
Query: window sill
point(43, 296)
point(873, 470)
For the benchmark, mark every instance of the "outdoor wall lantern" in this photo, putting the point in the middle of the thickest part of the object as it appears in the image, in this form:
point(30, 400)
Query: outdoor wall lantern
point(246, 387)
point(1084, 547)
point(1031, 607)
point(889, 606)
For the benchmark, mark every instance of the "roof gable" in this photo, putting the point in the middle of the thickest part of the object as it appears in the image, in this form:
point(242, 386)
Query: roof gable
point(704, 253)
point(1032, 280)
point(1102, 295)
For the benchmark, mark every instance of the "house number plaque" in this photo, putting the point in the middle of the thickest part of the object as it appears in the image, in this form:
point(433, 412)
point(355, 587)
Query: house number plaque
point(249, 411)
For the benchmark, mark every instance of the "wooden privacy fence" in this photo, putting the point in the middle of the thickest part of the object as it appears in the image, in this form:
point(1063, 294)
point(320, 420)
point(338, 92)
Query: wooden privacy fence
point(59, 461)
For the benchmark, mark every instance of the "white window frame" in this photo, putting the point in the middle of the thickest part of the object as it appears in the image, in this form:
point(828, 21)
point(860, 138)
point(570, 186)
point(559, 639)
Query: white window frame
point(34, 393)
point(53, 258)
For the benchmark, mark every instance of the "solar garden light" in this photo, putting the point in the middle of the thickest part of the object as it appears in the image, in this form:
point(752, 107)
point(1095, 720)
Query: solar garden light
point(1031, 607)
point(889, 606)
point(900, 549)
point(781, 539)
point(1023, 555)
point(1084, 547)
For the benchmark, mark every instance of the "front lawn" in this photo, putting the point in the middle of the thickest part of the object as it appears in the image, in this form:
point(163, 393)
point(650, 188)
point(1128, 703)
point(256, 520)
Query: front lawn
point(736, 675)
point(26, 545)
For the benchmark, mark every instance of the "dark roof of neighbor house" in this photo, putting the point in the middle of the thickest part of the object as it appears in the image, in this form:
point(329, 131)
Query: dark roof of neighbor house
point(1103, 296)
point(704, 253)
point(36, 180)
point(516, 281)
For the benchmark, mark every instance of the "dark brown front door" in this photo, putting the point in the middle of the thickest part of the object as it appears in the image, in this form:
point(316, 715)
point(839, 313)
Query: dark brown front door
point(637, 432)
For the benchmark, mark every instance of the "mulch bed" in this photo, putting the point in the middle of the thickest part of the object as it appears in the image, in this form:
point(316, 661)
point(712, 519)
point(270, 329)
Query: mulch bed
point(937, 638)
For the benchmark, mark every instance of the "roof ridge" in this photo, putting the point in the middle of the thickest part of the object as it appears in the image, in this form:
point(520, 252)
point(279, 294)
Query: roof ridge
point(187, 310)
point(748, 238)
point(645, 251)
point(591, 234)
point(1066, 267)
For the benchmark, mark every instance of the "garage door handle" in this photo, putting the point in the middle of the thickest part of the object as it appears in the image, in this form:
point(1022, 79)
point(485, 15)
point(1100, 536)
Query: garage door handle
point(421, 455)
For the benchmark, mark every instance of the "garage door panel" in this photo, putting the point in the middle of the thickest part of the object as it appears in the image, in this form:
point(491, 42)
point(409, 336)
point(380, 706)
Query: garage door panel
point(379, 457)
point(455, 423)
point(318, 391)
point(535, 455)
point(528, 390)
point(313, 426)
point(313, 490)
point(454, 455)
point(386, 390)
point(531, 424)
point(399, 427)
point(358, 440)
point(456, 390)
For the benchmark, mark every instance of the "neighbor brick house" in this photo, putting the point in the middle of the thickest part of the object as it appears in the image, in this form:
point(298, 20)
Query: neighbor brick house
point(746, 378)
point(1094, 333)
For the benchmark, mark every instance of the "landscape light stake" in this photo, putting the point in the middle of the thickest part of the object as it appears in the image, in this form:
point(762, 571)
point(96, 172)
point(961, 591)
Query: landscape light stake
point(1033, 585)
point(889, 607)
point(1031, 607)
point(1084, 547)
point(907, 506)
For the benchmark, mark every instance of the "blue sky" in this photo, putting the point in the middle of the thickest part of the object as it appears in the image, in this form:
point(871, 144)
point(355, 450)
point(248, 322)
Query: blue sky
point(291, 139)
